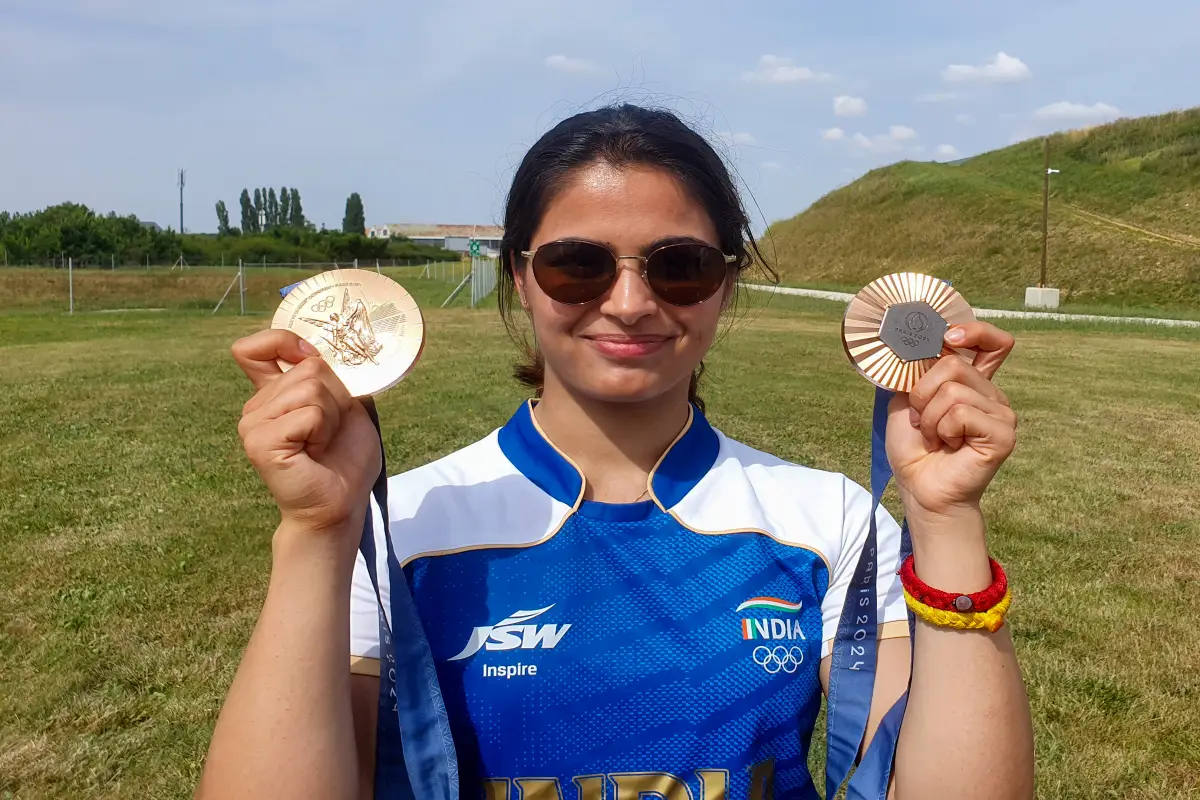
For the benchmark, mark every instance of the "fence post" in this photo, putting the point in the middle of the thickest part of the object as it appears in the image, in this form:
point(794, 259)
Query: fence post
point(71, 282)
point(242, 285)
point(356, 263)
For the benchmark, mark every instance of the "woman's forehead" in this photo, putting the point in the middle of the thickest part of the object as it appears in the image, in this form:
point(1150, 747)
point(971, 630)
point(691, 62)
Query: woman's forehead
point(624, 206)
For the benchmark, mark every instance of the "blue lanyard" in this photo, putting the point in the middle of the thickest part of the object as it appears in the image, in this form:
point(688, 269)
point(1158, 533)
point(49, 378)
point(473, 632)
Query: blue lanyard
point(855, 651)
point(412, 714)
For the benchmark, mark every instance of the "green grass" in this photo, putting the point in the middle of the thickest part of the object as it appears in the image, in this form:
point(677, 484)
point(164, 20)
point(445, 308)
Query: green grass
point(1123, 229)
point(134, 535)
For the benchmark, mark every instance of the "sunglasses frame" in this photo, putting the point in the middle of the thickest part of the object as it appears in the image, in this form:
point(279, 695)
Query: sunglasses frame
point(529, 255)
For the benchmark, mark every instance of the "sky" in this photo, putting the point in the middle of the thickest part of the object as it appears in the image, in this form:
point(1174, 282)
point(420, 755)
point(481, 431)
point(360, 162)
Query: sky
point(426, 109)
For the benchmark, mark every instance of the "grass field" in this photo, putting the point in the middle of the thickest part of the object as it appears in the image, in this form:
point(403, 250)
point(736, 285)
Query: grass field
point(134, 535)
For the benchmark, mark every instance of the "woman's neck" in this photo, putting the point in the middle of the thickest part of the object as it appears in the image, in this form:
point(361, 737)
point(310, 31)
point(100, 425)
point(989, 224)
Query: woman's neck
point(616, 445)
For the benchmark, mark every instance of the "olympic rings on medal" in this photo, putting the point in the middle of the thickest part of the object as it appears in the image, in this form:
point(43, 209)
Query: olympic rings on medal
point(787, 659)
point(324, 305)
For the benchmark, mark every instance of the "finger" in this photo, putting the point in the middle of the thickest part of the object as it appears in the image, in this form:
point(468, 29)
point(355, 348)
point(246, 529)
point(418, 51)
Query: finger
point(257, 354)
point(952, 395)
point(961, 422)
point(306, 394)
point(309, 369)
point(991, 344)
point(953, 370)
point(280, 440)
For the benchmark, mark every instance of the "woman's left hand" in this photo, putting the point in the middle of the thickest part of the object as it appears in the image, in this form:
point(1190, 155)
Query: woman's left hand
point(947, 438)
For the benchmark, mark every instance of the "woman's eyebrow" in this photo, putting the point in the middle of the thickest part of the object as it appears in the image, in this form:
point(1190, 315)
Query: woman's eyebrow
point(669, 240)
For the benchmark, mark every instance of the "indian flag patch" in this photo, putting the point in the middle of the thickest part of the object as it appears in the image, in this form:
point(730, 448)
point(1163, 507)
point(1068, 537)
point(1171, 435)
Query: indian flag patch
point(770, 604)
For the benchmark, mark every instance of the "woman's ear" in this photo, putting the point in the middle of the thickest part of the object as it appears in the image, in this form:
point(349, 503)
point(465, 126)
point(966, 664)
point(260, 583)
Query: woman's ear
point(518, 274)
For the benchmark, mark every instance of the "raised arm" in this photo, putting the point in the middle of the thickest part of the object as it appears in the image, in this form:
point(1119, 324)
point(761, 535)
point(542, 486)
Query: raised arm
point(967, 730)
point(287, 727)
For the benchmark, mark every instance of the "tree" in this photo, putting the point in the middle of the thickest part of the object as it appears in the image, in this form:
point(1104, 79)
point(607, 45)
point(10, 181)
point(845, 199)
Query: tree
point(247, 212)
point(297, 218)
point(258, 210)
point(272, 209)
point(355, 220)
point(222, 219)
point(285, 208)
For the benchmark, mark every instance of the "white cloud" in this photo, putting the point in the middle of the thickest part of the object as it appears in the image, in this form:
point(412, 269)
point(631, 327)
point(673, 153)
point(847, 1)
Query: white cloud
point(846, 106)
point(1001, 69)
point(833, 134)
point(736, 138)
point(774, 69)
point(947, 151)
point(563, 63)
point(937, 97)
point(964, 119)
point(1077, 112)
point(898, 137)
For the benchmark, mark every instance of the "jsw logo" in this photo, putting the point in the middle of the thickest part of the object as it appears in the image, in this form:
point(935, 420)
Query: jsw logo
point(512, 633)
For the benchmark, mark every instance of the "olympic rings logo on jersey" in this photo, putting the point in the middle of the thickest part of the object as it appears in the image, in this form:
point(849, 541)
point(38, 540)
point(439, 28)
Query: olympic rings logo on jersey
point(775, 659)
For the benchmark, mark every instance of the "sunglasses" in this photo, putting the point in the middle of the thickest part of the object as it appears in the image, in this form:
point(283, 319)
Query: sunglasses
point(578, 272)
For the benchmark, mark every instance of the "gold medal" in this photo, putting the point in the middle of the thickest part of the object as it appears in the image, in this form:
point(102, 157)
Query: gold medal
point(366, 327)
point(894, 329)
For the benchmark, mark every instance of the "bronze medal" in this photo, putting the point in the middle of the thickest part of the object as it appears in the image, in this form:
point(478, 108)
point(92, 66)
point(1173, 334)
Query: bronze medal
point(893, 330)
point(366, 327)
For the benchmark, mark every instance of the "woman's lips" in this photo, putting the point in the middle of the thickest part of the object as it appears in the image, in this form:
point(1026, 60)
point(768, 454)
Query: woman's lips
point(628, 346)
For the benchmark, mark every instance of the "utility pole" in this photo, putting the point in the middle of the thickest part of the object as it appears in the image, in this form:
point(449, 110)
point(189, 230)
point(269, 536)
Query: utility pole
point(1045, 208)
point(182, 183)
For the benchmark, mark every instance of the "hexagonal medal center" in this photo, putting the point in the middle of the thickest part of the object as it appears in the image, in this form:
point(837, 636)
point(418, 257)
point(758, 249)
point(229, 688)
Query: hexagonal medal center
point(914, 331)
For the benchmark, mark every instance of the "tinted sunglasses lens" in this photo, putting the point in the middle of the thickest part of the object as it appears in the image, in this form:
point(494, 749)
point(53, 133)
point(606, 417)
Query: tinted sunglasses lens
point(686, 274)
point(573, 272)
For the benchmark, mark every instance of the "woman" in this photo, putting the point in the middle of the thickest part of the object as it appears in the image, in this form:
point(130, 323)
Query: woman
point(620, 601)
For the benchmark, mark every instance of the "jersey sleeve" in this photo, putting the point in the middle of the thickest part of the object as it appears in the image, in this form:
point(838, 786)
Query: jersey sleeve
point(364, 604)
point(893, 614)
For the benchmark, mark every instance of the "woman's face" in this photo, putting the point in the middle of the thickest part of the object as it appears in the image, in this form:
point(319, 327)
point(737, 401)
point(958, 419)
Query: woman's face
point(626, 346)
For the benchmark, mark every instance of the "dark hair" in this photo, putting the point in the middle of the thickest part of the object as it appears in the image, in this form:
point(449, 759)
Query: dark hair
point(619, 135)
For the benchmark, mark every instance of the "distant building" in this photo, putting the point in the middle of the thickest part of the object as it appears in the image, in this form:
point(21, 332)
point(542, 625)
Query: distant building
point(457, 238)
point(154, 226)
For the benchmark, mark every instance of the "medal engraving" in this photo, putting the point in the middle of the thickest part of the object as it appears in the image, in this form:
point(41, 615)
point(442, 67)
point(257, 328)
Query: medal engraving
point(913, 330)
point(349, 332)
point(365, 326)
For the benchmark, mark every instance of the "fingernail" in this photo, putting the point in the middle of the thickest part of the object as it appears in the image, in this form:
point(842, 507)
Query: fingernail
point(307, 348)
point(914, 417)
point(955, 336)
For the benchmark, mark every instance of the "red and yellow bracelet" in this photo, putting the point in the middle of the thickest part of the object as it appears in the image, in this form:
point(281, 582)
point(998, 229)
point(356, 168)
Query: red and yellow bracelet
point(983, 610)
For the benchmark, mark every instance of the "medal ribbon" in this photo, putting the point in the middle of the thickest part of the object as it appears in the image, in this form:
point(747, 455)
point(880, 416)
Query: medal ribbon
point(412, 713)
point(855, 652)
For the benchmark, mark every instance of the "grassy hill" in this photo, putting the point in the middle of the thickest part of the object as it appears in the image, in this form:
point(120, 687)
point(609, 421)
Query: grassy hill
point(1124, 219)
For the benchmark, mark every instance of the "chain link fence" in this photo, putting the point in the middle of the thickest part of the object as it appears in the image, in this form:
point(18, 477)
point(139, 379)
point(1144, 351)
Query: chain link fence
point(246, 288)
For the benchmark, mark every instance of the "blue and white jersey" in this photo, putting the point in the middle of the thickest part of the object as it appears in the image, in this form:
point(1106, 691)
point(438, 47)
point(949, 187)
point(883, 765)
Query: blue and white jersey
point(592, 651)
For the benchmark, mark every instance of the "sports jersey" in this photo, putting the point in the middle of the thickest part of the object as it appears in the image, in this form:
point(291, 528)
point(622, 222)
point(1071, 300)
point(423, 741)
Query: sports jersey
point(599, 651)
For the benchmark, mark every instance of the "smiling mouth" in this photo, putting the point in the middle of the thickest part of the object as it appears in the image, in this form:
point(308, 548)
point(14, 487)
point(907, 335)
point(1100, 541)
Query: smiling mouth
point(628, 346)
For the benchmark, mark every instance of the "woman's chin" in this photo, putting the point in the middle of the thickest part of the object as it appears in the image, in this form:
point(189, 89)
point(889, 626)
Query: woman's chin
point(627, 386)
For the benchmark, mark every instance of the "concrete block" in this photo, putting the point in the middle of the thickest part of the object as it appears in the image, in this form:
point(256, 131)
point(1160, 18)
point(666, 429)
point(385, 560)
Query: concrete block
point(1041, 297)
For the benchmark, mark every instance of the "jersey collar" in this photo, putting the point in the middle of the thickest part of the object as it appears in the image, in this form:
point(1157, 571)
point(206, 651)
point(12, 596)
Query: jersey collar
point(685, 462)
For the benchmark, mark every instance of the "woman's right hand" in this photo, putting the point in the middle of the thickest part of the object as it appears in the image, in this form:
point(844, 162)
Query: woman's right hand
point(314, 446)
